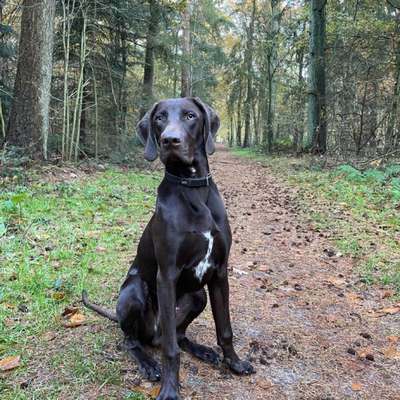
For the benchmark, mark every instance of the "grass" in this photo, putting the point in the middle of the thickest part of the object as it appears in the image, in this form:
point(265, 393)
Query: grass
point(55, 240)
point(360, 209)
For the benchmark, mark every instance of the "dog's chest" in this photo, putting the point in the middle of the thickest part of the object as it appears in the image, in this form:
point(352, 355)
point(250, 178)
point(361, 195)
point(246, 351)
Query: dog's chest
point(202, 253)
point(204, 265)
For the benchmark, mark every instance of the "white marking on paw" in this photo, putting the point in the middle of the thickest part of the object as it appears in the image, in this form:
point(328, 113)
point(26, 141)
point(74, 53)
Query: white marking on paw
point(203, 265)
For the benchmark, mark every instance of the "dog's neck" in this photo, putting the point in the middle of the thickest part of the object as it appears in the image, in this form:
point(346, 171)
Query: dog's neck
point(198, 169)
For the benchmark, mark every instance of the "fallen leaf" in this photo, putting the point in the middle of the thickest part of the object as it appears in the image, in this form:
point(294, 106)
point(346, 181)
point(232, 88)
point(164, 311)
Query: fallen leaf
point(49, 336)
point(365, 352)
point(393, 339)
point(336, 281)
point(151, 392)
point(69, 311)
point(392, 352)
point(74, 321)
point(9, 363)
point(58, 296)
point(100, 249)
point(353, 297)
point(71, 317)
point(391, 310)
point(388, 293)
point(356, 387)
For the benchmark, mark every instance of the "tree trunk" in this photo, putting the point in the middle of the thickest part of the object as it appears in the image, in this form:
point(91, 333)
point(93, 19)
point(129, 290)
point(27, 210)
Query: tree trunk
point(317, 124)
point(2, 124)
point(390, 130)
point(269, 117)
point(239, 117)
point(83, 140)
point(2, 4)
point(255, 120)
point(29, 120)
point(299, 110)
point(186, 89)
point(151, 43)
point(249, 96)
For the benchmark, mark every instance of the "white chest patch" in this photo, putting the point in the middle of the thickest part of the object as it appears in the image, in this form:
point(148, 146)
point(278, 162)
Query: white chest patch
point(204, 264)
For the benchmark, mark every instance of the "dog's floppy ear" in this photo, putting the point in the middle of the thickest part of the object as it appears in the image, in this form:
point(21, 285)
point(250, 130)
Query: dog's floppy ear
point(211, 124)
point(147, 135)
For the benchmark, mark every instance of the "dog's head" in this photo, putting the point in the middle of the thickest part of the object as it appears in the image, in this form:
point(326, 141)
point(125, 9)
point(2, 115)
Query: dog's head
point(177, 128)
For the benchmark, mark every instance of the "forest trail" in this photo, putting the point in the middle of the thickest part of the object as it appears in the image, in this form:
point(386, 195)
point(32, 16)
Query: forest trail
point(299, 310)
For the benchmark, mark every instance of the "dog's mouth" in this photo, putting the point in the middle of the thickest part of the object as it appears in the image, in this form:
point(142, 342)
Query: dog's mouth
point(172, 155)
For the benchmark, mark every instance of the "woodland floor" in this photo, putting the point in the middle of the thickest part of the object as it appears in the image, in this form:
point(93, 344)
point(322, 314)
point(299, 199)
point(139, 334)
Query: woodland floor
point(300, 312)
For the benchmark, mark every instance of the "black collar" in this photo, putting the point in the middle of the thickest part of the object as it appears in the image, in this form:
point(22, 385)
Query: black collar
point(189, 182)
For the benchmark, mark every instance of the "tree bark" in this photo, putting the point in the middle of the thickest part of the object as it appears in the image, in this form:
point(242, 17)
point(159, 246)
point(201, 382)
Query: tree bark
point(2, 4)
point(151, 44)
point(239, 117)
point(317, 124)
point(390, 130)
point(29, 119)
point(299, 95)
point(270, 116)
point(2, 123)
point(249, 96)
point(186, 89)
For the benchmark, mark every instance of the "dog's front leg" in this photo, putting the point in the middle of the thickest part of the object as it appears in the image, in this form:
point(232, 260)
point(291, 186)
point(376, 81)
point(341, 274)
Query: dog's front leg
point(219, 297)
point(166, 293)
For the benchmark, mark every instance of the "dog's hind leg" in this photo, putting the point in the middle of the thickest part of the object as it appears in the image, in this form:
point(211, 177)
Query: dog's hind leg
point(134, 313)
point(189, 307)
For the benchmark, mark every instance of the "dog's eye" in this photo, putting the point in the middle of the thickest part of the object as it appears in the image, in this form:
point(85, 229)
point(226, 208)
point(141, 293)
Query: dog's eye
point(159, 118)
point(190, 116)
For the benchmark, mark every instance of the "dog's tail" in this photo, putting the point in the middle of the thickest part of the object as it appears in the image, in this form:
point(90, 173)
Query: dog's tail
point(103, 312)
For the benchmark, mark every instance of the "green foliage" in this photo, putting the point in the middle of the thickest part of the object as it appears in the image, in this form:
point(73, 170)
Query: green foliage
point(283, 144)
point(55, 240)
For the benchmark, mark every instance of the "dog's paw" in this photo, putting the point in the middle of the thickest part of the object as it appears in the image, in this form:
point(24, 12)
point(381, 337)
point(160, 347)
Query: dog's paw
point(208, 355)
point(168, 394)
point(204, 353)
point(240, 367)
point(150, 370)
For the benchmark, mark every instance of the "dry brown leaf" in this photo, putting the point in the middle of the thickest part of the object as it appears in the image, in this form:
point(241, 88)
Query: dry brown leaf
point(72, 318)
point(336, 281)
point(68, 311)
point(356, 386)
point(393, 339)
point(384, 311)
point(388, 293)
point(9, 363)
point(392, 352)
point(49, 336)
point(100, 249)
point(75, 321)
point(390, 310)
point(353, 297)
point(151, 392)
point(363, 352)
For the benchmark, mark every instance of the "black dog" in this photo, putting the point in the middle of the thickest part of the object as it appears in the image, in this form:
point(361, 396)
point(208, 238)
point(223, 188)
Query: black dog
point(184, 247)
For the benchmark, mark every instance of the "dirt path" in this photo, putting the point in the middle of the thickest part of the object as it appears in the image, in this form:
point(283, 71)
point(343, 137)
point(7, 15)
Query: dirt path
point(299, 311)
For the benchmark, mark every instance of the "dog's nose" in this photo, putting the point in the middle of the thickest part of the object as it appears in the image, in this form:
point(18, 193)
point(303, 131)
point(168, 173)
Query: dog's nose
point(170, 140)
